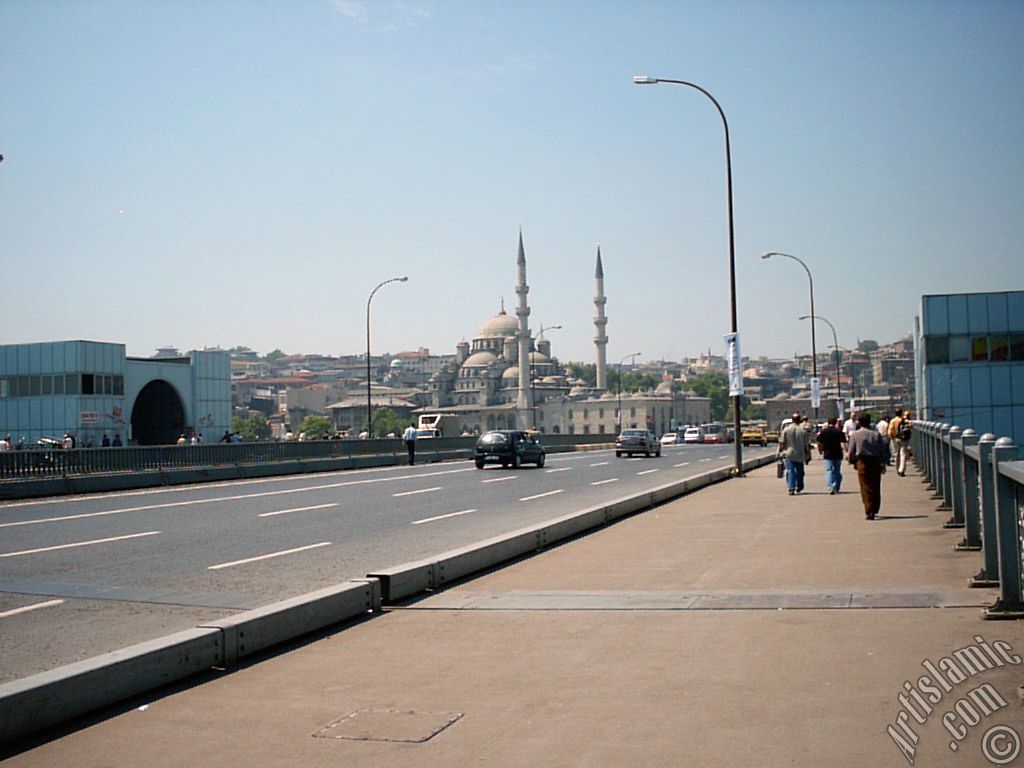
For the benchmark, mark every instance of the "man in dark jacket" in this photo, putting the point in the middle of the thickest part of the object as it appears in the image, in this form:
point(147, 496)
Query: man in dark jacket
point(869, 453)
point(830, 445)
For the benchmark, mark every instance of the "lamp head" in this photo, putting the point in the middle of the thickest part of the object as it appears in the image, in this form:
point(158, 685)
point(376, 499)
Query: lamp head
point(644, 80)
point(767, 255)
point(403, 279)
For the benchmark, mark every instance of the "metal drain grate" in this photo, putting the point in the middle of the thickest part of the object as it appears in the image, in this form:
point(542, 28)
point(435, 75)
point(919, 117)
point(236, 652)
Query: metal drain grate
point(388, 725)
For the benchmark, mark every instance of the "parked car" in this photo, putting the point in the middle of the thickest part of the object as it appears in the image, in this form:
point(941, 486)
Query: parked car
point(670, 438)
point(637, 441)
point(752, 435)
point(694, 435)
point(508, 447)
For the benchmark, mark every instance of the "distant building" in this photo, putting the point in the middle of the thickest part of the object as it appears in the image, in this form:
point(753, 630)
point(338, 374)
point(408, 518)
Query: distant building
point(969, 349)
point(90, 388)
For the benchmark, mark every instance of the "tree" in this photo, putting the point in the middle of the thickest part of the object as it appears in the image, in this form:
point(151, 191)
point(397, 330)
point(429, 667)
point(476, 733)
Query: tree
point(715, 385)
point(275, 355)
point(386, 421)
point(251, 427)
point(585, 371)
point(868, 345)
point(316, 426)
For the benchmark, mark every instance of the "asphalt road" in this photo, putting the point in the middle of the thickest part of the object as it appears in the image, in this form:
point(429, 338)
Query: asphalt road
point(85, 575)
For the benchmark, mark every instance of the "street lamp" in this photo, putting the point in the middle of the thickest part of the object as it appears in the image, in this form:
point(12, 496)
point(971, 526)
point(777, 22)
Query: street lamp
point(533, 390)
point(641, 80)
point(369, 401)
point(835, 346)
point(627, 357)
point(814, 349)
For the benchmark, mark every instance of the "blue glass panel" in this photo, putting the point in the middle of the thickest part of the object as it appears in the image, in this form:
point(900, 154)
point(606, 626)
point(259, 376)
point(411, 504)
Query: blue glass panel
point(981, 385)
point(1015, 310)
point(935, 317)
point(1017, 382)
point(982, 420)
point(1018, 424)
point(977, 312)
point(958, 314)
point(1002, 393)
point(997, 313)
point(1002, 422)
point(960, 385)
point(938, 386)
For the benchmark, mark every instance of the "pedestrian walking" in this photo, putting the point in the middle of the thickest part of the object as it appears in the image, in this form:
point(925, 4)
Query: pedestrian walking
point(883, 429)
point(850, 425)
point(899, 441)
point(869, 453)
point(831, 442)
point(105, 441)
point(5, 444)
point(795, 448)
point(117, 441)
point(409, 436)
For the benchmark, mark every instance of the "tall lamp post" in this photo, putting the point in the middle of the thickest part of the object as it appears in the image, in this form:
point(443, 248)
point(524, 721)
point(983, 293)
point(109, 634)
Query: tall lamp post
point(627, 357)
point(814, 349)
point(835, 346)
point(533, 390)
point(640, 80)
point(369, 400)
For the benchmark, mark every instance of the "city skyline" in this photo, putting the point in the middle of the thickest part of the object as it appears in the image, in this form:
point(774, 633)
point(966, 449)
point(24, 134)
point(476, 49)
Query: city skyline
point(243, 175)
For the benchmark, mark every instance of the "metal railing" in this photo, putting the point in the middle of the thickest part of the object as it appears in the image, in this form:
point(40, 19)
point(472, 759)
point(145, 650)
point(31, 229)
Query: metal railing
point(38, 463)
point(980, 480)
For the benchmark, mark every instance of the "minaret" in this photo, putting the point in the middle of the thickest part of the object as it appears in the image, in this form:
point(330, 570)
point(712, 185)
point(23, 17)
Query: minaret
point(523, 313)
point(600, 324)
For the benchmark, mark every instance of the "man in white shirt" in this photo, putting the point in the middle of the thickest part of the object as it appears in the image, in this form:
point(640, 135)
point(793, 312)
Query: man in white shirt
point(850, 426)
point(409, 436)
point(883, 429)
point(5, 444)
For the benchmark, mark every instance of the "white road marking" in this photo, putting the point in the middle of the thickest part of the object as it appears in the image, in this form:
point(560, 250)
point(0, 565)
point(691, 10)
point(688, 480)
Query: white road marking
point(297, 509)
point(563, 469)
point(192, 502)
point(27, 608)
point(79, 544)
point(443, 517)
point(647, 472)
point(267, 557)
point(601, 464)
point(708, 459)
point(681, 465)
point(413, 493)
point(609, 480)
point(498, 479)
point(542, 495)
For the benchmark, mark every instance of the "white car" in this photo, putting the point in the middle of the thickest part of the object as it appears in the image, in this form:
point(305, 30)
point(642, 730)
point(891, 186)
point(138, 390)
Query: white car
point(693, 435)
point(669, 438)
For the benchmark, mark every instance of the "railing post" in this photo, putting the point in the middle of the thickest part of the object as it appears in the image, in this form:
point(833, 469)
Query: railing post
point(933, 458)
point(969, 495)
point(940, 467)
point(954, 494)
point(1010, 604)
point(988, 576)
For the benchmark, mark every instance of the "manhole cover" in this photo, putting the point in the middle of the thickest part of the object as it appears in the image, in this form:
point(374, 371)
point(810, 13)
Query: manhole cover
point(388, 725)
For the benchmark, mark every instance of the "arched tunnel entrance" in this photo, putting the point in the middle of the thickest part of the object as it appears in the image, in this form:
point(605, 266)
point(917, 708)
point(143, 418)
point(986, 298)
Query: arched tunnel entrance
point(158, 416)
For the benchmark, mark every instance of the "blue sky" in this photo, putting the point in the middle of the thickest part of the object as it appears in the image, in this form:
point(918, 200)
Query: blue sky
point(224, 173)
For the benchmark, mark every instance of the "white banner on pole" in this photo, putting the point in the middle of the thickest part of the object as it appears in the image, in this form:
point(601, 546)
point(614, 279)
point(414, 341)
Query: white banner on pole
point(815, 392)
point(840, 411)
point(732, 359)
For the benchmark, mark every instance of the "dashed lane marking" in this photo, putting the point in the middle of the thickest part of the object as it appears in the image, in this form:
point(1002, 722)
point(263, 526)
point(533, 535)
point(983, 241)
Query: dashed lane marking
point(609, 480)
point(443, 517)
point(542, 495)
point(27, 608)
point(296, 509)
point(78, 544)
point(413, 493)
point(267, 557)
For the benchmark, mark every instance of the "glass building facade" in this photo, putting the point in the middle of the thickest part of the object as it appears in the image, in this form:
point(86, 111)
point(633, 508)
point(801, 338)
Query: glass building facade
point(970, 357)
point(90, 389)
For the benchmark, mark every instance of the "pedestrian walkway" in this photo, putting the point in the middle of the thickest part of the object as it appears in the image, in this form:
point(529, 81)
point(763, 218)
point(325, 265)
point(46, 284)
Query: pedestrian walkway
point(737, 626)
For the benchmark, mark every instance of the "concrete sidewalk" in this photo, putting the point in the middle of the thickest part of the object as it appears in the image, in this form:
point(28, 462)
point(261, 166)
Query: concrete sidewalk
point(736, 626)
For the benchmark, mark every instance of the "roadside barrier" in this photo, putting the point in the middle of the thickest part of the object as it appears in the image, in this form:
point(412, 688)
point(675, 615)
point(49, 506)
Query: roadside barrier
point(980, 480)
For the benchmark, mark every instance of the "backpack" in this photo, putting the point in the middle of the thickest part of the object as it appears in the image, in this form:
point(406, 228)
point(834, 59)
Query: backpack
point(903, 433)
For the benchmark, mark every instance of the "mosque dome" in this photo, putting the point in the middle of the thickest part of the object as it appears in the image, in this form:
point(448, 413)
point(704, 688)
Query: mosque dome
point(609, 396)
point(498, 327)
point(665, 386)
point(480, 359)
point(511, 373)
point(537, 358)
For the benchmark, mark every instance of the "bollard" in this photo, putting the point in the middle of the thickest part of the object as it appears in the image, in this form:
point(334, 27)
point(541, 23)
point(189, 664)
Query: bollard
point(941, 470)
point(988, 576)
point(933, 455)
point(1010, 604)
point(954, 492)
point(969, 495)
point(929, 455)
point(946, 446)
